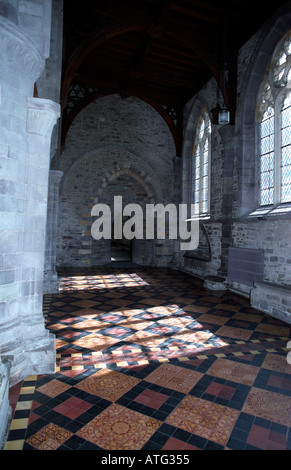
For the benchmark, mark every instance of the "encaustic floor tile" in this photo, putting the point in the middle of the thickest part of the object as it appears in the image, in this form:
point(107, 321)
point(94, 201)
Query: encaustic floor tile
point(146, 359)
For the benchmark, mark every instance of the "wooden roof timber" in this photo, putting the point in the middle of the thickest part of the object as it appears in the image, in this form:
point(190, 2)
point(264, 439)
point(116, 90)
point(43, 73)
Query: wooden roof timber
point(160, 50)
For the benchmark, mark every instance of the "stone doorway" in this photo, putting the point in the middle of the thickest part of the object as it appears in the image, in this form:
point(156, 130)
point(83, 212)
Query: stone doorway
point(120, 250)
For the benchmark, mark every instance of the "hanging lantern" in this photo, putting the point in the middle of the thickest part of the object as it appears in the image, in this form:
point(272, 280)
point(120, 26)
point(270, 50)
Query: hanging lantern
point(223, 116)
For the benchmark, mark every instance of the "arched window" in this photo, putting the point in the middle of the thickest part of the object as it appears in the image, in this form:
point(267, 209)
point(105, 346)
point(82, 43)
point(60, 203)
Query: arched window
point(274, 115)
point(201, 164)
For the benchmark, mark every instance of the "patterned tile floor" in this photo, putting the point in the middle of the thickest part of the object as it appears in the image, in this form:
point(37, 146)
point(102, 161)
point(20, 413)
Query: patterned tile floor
point(149, 360)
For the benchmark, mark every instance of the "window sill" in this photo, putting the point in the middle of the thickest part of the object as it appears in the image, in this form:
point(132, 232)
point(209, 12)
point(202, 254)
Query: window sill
point(275, 212)
point(200, 217)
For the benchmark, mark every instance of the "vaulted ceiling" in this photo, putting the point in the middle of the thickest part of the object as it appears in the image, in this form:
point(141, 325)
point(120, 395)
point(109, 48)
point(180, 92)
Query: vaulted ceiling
point(162, 51)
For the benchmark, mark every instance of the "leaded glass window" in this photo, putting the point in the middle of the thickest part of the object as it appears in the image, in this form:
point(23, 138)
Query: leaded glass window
point(267, 157)
point(274, 107)
point(286, 151)
point(201, 164)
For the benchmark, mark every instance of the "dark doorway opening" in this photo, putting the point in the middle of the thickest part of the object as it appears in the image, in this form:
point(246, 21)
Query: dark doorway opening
point(121, 250)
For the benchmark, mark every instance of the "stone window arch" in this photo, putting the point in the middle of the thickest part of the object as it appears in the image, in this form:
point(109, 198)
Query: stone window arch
point(201, 164)
point(274, 130)
point(247, 177)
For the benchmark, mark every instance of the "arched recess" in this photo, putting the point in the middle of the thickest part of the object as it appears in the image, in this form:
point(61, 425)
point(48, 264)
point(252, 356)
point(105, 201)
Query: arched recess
point(203, 250)
point(142, 250)
point(76, 246)
point(247, 166)
point(189, 136)
point(135, 173)
point(202, 253)
point(145, 174)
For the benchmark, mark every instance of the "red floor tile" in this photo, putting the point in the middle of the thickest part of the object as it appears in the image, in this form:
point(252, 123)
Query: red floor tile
point(220, 390)
point(176, 444)
point(259, 437)
point(73, 407)
point(153, 399)
point(182, 367)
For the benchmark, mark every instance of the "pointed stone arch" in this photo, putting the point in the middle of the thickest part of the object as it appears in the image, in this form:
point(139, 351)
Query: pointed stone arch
point(130, 170)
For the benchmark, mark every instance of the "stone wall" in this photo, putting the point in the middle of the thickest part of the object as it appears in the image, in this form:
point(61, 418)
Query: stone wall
point(233, 220)
point(272, 237)
point(251, 229)
point(272, 299)
point(212, 225)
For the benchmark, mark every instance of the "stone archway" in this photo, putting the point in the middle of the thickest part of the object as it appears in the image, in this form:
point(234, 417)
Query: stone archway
point(247, 127)
point(84, 184)
point(121, 250)
point(134, 172)
point(133, 187)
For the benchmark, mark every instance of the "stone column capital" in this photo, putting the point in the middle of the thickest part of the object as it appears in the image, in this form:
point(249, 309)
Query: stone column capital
point(42, 115)
point(55, 177)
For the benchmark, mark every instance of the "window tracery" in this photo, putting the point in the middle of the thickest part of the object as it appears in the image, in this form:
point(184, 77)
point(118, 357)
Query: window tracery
point(201, 164)
point(274, 115)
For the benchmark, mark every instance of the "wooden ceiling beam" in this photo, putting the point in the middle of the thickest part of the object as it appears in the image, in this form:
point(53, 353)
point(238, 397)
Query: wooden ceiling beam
point(117, 10)
point(176, 65)
point(90, 44)
point(207, 11)
point(163, 50)
point(156, 91)
point(158, 15)
point(201, 14)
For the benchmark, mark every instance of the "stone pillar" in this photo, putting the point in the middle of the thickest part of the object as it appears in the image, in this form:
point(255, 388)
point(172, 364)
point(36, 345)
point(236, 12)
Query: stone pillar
point(51, 282)
point(26, 124)
point(217, 282)
point(177, 164)
point(5, 408)
point(41, 117)
point(227, 134)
